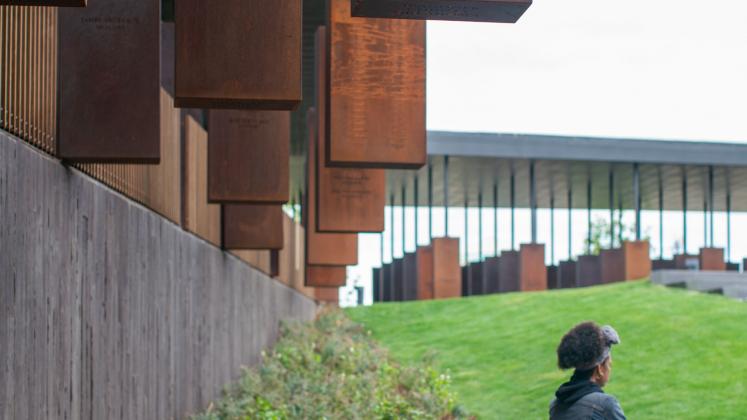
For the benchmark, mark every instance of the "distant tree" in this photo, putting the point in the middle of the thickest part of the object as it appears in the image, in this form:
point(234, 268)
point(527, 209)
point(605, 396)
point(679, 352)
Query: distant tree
point(600, 235)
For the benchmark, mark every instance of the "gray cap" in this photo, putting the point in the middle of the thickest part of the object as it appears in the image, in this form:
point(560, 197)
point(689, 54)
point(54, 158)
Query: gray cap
point(610, 338)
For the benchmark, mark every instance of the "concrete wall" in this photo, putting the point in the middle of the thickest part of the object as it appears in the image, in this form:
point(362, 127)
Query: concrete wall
point(109, 311)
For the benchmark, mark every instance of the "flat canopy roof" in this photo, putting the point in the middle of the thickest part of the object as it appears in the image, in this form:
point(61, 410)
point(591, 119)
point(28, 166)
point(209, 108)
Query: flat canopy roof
point(478, 162)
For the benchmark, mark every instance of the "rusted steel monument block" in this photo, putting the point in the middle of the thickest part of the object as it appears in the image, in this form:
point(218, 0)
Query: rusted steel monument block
point(588, 271)
point(612, 265)
point(109, 82)
point(238, 54)
point(499, 11)
point(326, 276)
point(532, 269)
point(248, 156)
point(252, 226)
point(637, 260)
point(712, 259)
point(376, 91)
point(446, 273)
point(425, 272)
point(567, 275)
point(509, 272)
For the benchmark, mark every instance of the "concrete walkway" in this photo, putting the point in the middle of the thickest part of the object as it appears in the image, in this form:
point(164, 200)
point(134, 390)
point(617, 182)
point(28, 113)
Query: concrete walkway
point(729, 284)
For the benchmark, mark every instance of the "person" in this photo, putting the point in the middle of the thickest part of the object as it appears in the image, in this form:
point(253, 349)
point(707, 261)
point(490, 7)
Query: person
point(587, 348)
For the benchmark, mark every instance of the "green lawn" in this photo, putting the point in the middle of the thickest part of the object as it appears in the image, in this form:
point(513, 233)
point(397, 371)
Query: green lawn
point(683, 354)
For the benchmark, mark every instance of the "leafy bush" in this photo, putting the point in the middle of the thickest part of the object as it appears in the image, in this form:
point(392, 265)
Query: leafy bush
point(332, 369)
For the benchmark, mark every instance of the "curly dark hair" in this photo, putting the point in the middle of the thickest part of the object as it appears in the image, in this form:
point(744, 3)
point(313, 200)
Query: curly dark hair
point(581, 346)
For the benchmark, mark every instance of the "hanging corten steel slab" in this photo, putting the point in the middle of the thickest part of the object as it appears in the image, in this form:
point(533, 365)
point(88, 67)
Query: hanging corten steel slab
point(446, 272)
point(376, 94)
point(336, 249)
point(48, 3)
point(498, 11)
point(532, 269)
point(252, 226)
point(329, 276)
point(712, 259)
point(109, 82)
point(637, 260)
point(248, 156)
point(238, 54)
point(425, 272)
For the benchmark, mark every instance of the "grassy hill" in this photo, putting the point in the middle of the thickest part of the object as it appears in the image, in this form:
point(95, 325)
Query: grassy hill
point(683, 354)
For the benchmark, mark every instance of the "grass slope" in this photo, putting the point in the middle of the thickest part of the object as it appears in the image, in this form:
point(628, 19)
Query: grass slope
point(683, 354)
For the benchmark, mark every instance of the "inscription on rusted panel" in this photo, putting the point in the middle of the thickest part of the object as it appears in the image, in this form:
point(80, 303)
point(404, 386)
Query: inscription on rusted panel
point(248, 156)
point(109, 82)
point(252, 226)
point(238, 54)
point(376, 93)
point(500, 11)
point(336, 249)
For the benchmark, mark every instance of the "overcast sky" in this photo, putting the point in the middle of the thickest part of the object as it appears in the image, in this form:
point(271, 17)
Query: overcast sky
point(671, 69)
point(658, 69)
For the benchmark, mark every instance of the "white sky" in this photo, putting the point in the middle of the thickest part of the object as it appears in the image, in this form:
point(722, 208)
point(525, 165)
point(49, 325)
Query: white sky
point(661, 69)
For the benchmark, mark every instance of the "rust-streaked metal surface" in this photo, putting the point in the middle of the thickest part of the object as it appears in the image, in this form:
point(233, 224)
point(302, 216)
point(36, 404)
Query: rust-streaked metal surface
point(612, 265)
point(476, 279)
point(637, 260)
point(109, 82)
point(329, 276)
point(532, 271)
point(552, 277)
point(248, 156)
point(508, 272)
point(712, 259)
point(446, 272)
point(491, 267)
point(238, 54)
point(252, 226)
point(348, 199)
point(410, 276)
point(425, 272)
point(336, 249)
point(686, 261)
point(327, 295)
point(588, 271)
point(376, 93)
point(45, 3)
point(496, 11)
point(567, 275)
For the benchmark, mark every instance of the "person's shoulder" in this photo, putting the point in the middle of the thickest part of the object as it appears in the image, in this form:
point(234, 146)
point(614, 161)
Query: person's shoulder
point(607, 403)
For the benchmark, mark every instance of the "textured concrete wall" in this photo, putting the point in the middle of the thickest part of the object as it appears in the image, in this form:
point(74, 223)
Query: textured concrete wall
point(109, 311)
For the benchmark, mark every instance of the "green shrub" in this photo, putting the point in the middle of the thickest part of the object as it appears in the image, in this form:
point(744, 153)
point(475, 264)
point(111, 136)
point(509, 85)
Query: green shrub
point(332, 369)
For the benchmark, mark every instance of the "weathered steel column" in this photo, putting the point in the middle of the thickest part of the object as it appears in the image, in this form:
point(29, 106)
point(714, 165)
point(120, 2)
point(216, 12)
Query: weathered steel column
point(495, 216)
point(479, 226)
point(684, 210)
point(430, 202)
point(415, 205)
point(570, 220)
point(588, 208)
point(533, 201)
point(404, 218)
point(466, 229)
point(612, 206)
point(513, 208)
point(381, 250)
point(728, 217)
point(552, 226)
point(446, 196)
point(711, 204)
point(661, 215)
point(637, 198)
point(391, 217)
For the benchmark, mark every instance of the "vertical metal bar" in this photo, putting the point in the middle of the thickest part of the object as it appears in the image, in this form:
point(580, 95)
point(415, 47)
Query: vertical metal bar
point(404, 218)
point(711, 203)
point(588, 214)
point(552, 227)
point(415, 205)
point(430, 202)
point(612, 206)
point(466, 232)
point(533, 201)
point(637, 198)
point(728, 223)
point(513, 209)
point(684, 210)
point(446, 196)
point(661, 215)
point(495, 216)
point(570, 220)
point(479, 226)
point(391, 217)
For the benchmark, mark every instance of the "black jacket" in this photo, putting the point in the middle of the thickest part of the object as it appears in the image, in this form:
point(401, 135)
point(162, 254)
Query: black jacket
point(584, 400)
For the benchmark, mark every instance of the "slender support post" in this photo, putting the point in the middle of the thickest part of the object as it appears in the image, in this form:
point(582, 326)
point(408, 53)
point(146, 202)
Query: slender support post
point(612, 206)
point(637, 198)
point(430, 202)
point(711, 203)
point(661, 215)
point(479, 226)
point(446, 196)
point(570, 220)
point(415, 205)
point(513, 209)
point(391, 217)
point(705, 223)
point(495, 216)
point(381, 250)
point(588, 205)
point(728, 224)
point(684, 210)
point(533, 201)
point(404, 218)
point(552, 227)
point(466, 232)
